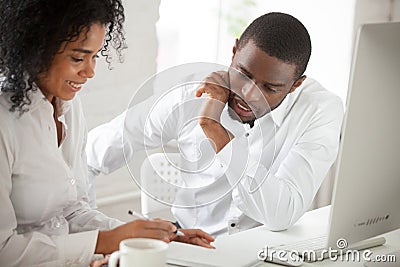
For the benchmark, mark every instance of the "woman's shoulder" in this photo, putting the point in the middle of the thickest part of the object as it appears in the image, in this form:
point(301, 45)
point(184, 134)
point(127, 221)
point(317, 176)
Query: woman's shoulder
point(8, 120)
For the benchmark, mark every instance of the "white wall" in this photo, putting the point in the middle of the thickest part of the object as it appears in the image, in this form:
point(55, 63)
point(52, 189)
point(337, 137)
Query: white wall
point(208, 30)
point(369, 11)
point(108, 94)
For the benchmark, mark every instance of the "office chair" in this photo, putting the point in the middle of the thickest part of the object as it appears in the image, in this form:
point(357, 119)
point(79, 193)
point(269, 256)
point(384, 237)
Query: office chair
point(160, 179)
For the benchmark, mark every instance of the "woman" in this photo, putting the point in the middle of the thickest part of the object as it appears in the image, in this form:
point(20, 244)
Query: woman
point(48, 50)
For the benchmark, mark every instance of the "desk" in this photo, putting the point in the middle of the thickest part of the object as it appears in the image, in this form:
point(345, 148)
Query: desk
point(241, 249)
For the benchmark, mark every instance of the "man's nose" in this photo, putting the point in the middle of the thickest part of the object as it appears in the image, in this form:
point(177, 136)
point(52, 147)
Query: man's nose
point(251, 92)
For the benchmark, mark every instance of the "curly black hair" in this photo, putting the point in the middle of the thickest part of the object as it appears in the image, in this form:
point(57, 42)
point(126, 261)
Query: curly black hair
point(33, 31)
point(282, 36)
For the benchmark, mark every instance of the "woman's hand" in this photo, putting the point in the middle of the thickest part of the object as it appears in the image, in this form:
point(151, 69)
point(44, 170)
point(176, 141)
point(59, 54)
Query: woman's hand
point(108, 241)
point(194, 237)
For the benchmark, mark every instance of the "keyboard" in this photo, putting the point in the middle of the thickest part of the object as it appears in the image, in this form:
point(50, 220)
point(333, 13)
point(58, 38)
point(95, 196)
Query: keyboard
point(317, 243)
point(310, 250)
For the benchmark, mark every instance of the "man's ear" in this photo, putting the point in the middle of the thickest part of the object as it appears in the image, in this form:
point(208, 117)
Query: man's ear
point(234, 49)
point(297, 83)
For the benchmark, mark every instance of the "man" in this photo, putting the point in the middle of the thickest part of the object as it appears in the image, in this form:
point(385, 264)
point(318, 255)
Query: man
point(273, 131)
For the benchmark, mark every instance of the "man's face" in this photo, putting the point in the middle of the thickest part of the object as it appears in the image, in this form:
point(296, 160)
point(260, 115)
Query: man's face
point(258, 83)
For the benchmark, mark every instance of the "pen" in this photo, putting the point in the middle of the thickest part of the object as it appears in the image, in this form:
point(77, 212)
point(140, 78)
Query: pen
point(141, 216)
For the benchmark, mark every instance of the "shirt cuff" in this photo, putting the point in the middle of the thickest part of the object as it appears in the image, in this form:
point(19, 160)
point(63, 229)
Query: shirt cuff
point(77, 249)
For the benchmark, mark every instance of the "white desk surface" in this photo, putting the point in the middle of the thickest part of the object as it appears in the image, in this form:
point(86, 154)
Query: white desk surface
point(241, 249)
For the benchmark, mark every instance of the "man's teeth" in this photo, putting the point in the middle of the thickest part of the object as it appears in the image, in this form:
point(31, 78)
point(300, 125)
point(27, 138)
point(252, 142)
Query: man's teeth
point(243, 107)
point(75, 85)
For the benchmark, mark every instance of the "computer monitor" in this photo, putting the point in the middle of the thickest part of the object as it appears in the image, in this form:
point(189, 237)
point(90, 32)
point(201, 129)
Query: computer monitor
point(366, 196)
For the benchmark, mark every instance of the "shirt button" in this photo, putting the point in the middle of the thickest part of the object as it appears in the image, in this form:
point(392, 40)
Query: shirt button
point(233, 226)
point(246, 134)
point(72, 181)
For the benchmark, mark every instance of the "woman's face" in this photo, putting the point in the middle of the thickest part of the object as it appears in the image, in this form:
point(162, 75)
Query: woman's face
point(72, 66)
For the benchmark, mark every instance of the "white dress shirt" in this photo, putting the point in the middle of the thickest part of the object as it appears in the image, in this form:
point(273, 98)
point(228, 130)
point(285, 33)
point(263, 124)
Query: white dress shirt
point(45, 219)
point(268, 174)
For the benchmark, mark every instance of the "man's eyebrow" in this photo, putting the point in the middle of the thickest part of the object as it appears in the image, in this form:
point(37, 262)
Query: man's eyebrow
point(243, 69)
point(276, 84)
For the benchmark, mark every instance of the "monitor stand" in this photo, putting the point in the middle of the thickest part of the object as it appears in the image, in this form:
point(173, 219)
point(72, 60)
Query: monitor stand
point(368, 243)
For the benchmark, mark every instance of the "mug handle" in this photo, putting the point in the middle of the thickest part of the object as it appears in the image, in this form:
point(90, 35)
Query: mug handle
point(114, 258)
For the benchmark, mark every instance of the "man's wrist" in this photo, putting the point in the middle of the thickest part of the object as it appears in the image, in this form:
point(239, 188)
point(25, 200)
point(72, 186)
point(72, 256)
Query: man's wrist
point(208, 122)
point(212, 110)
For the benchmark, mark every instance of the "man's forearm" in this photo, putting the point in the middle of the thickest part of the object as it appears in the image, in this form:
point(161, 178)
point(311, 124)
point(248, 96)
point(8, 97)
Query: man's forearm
point(216, 133)
point(216, 87)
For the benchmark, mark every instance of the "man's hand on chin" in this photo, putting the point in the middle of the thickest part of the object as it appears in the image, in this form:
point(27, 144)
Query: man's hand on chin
point(216, 86)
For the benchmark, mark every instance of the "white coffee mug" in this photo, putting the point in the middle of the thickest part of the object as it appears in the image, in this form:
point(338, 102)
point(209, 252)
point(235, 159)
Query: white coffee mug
point(140, 252)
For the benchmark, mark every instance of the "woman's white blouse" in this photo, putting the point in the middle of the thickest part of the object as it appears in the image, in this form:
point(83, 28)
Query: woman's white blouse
point(45, 219)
